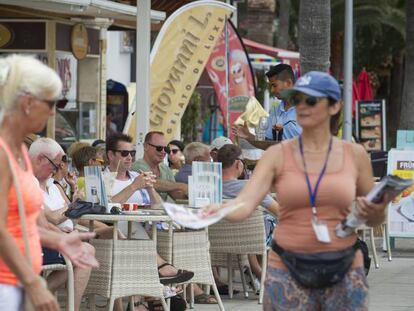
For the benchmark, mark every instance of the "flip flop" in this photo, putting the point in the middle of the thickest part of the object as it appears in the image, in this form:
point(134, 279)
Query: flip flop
point(205, 299)
point(180, 277)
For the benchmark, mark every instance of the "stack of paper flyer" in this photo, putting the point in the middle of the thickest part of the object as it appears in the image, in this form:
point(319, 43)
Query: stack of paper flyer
point(205, 186)
point(391, 186)
point(192, 218)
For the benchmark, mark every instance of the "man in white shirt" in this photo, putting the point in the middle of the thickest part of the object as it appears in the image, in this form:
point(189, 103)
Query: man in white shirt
point(133, 187)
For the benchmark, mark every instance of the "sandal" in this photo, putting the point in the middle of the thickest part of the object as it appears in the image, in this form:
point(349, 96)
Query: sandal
point(180, 277)
point(205, 299)
point(177, 304)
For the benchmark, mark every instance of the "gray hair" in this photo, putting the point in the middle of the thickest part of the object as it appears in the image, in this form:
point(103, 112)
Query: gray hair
point(194, 151)
point(21, 74)
point(46, 146)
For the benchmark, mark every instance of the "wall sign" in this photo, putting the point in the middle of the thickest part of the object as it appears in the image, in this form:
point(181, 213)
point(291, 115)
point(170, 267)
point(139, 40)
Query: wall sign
point(370, 124)
point(401, 209)
point(79, 41)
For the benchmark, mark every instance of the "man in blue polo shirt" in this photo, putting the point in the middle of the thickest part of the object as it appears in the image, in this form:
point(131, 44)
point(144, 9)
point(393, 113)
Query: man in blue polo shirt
point(282, 118)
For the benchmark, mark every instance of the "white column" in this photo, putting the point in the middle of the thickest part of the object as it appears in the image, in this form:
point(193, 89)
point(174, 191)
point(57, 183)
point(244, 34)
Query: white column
point(142, 105)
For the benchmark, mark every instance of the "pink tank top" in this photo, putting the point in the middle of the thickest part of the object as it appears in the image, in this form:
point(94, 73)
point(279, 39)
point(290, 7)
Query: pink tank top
point(336, 193)
point(32, 200)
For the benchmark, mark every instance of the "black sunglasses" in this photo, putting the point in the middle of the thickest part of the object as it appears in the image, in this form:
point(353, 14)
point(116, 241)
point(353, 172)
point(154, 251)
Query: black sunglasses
point(160, 148)
point(65, 158)
point(124, 153)
point(54, 165)
point(50, 103)
point(309, 100)
point(174, 151)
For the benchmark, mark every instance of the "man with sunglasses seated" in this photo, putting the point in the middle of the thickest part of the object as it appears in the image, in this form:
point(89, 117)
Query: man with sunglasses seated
point(232, 167)
point(283, 116)
point(46, 157)
point(155, 150)
point(133, 187)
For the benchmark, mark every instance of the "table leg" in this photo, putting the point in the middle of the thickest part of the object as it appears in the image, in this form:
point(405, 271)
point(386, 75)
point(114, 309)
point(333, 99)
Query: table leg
point(90, 225)
point(129, 230)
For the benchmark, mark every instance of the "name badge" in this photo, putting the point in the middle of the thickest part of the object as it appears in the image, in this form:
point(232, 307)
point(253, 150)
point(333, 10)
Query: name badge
point(321, 231)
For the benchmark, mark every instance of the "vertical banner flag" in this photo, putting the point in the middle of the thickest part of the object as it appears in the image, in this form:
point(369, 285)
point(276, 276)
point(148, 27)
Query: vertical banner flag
point(241, 83)
point(178, 58)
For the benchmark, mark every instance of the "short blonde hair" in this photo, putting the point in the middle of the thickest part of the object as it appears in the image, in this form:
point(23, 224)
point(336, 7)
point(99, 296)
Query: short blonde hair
point(195, 151)
point(20, 74)
point(46, 146)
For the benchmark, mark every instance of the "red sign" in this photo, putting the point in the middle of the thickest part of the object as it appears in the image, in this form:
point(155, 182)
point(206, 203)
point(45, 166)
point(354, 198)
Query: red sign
point(240, 76)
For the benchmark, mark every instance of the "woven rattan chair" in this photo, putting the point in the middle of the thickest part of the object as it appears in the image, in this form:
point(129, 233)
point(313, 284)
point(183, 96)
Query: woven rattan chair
point(70, 306)
point(189, 250)
point(236, 239)
point(128, 270)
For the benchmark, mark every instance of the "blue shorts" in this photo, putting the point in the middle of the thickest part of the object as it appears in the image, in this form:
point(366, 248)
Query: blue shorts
point(51, 257)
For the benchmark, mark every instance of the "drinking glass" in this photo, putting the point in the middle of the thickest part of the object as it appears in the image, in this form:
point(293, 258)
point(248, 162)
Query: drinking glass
point(262, 127)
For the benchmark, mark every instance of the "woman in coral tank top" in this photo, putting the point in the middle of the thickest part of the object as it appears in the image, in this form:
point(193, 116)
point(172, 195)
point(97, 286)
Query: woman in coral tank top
point(28, 89)
point(317, 178)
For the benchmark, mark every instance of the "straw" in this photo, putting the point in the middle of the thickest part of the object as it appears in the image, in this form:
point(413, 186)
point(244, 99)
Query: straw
point(117, 166)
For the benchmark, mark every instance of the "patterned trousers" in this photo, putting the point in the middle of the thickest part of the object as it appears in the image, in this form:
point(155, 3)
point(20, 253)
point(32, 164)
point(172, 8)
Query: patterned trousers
point(282, 292)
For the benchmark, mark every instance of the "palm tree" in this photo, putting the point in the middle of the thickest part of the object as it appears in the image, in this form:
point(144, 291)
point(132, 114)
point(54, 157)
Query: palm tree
point(314, 35)
point(407, 108)
point(283, 29)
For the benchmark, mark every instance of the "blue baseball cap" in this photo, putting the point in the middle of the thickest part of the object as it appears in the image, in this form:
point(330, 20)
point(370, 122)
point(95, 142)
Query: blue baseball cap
point(315, 83)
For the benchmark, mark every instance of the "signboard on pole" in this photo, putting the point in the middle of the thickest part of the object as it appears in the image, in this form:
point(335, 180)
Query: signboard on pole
point(371, 125)
point(401, 209)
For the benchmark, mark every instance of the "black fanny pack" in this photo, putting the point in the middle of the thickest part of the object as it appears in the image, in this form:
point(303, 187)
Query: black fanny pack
point(78, 208)
point(317, 270)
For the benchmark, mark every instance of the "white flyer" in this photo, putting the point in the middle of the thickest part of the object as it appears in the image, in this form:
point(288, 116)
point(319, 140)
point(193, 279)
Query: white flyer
point(191, 218)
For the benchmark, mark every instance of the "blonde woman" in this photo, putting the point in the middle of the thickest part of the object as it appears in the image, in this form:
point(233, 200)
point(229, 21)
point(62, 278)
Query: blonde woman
point(28, 90)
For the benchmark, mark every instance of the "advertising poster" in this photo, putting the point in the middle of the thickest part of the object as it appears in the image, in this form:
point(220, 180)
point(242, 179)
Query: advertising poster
point(401, 209)
point(370, 124)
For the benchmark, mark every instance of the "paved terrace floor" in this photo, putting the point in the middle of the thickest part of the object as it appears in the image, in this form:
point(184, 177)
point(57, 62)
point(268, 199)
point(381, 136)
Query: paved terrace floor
point(391, 286)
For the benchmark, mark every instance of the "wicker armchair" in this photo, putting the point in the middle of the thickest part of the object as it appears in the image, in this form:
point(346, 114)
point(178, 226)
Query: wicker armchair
point(236, 239)
point(70, 306)
point(127, 268)
point(188, 249)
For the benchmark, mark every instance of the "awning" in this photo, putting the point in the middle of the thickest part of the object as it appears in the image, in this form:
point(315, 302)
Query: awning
point(84, 9)
point(262, 61)
point(285, 56)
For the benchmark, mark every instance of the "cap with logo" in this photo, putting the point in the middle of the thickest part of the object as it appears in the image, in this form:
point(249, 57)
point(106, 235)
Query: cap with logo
point(219, 142)
point(316, 83)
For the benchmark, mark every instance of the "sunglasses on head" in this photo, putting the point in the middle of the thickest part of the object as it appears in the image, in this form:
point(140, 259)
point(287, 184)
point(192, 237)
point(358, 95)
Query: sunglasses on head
point(160, 148)
point(124, 153)
point(309, 100)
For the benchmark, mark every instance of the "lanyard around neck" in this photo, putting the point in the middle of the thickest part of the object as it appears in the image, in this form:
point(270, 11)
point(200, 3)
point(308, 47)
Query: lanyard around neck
point(313, 193)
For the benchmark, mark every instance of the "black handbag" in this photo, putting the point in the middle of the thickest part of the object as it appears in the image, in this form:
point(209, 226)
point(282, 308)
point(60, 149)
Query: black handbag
point(317, 270)
point(78, 208)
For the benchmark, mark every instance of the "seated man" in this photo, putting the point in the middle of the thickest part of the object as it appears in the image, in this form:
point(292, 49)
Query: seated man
point(155, 150)
point(232, 167)
point(216, 144)
point(192, 152)
point(46, 156)
point(133, 187)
